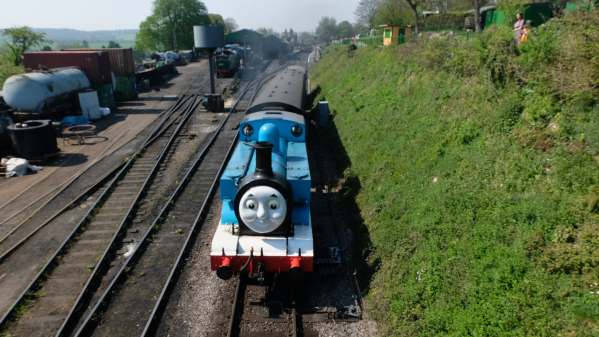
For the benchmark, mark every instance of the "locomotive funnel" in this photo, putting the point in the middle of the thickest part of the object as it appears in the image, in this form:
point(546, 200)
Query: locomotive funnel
point(264, 158)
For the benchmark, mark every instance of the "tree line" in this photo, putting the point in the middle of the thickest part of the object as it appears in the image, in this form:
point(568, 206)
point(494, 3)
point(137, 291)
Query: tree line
point(170, 25)
point(371, 13)
point(328, 29)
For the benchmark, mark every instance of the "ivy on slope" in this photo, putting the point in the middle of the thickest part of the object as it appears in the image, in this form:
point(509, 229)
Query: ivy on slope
point(478, 167)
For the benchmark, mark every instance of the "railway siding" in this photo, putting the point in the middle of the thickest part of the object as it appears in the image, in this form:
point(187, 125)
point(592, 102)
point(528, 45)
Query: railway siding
point(162, 246)
point(69, 270)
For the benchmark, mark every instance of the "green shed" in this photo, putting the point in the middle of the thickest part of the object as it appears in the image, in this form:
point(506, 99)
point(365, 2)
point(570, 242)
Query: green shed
point(536, 13)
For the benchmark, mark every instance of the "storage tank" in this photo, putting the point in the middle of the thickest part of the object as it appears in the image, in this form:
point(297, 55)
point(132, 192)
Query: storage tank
point(33, 92)
point(208, 37)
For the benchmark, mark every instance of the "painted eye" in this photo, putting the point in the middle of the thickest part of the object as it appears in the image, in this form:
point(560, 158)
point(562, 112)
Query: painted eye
point(248, 130)
point(296, 130)
point(273, 204)
point(250, 204)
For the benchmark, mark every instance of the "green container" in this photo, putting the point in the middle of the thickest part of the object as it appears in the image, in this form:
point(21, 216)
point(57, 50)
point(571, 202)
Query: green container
point(573, 6)
point(106, 96)
point(536, 13)
point(125, 88)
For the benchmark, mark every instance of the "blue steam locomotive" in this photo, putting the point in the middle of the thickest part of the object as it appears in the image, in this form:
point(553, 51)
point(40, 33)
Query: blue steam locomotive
point(265, 224)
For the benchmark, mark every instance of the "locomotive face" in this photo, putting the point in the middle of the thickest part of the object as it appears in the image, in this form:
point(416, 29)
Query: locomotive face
point(262, 209)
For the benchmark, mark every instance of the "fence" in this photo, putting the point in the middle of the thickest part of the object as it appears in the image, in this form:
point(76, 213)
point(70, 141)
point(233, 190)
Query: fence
point(366, 41)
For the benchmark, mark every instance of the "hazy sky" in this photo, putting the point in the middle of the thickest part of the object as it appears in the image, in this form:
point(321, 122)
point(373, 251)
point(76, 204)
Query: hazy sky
point(122, 14)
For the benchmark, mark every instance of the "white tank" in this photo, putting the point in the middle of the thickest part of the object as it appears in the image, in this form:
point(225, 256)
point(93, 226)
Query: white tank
point(90, 104)
point(31, 92)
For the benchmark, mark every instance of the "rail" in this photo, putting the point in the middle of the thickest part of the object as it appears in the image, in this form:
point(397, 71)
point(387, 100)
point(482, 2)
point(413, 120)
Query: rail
point(112, 179)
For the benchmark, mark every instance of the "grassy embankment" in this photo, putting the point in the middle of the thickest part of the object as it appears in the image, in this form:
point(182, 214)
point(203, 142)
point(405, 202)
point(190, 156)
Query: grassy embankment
point(479, 175)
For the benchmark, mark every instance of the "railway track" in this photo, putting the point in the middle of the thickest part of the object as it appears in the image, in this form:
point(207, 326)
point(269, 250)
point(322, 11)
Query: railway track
point(123, 291)
point(20, 232)
point(83, 251)
point(272, 310)
point(20, 210)
point(331, 295)
point(125, 308)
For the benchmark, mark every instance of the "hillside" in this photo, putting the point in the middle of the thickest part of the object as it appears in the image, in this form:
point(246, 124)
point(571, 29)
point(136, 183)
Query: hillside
point(64, 36)
point(68, 38)
point(475, 168)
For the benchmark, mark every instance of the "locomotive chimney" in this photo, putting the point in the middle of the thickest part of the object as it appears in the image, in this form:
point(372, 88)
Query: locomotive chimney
point(264, 158)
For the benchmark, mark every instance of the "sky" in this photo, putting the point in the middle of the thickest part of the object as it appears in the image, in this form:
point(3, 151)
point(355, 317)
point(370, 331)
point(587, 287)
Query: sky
point(301, 15)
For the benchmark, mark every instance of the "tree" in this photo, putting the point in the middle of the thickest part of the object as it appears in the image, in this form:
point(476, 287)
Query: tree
point(113, 44)
point(366, 12)
point(171, 25)
point(289, 36)
point(327, 29)
point(216, 19)
point(393, 12)
point(414, 4)
point(306, 39)
point(230, 25)
point(266, 31)
point(85, 44)
point(477, 23)
point(151, 35)
point(292, 37)
point(21, 39)
point(345, 29)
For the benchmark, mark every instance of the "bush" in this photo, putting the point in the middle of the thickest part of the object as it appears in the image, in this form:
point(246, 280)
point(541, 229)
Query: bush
point(444, 21)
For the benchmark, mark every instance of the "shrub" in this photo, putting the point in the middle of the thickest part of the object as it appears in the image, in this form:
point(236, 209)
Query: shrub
point(444, 21)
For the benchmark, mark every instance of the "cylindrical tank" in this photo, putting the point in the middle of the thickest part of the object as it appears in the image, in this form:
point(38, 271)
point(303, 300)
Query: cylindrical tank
point(90, 105)
point(31, 92)
point(33, 139)
point(208, 37)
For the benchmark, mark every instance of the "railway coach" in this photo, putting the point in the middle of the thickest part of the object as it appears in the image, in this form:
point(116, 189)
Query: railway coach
point(265, 224)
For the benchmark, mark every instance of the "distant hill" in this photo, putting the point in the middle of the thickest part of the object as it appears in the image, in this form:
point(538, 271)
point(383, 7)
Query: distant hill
point(59, 35)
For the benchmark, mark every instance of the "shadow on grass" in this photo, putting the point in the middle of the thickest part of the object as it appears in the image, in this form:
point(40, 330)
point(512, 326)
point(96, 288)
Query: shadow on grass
point(336, 217)
point(349, 187)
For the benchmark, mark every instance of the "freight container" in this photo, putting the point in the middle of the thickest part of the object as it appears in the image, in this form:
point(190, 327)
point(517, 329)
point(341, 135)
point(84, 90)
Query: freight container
point(95, 64)
point(123, 68)
point(121, 59)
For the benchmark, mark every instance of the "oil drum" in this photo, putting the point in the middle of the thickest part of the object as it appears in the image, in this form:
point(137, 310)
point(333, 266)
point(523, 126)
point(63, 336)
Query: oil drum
point(34, 139)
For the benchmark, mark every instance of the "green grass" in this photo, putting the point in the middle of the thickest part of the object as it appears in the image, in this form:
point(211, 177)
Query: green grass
point(480, 180)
